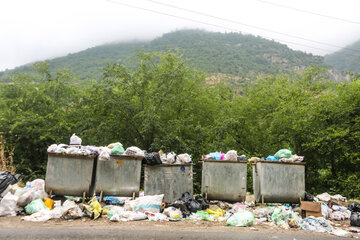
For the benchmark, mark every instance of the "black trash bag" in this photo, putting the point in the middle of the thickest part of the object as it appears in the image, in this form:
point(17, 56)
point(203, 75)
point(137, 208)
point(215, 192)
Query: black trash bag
point(354, 207)
point(182, 206)
point(6, 179)
point(185, 197)
point(151, 158)
point(308, 197)
point(355, 219)
point(193, 205)
point(203, 202)
point(190, 202)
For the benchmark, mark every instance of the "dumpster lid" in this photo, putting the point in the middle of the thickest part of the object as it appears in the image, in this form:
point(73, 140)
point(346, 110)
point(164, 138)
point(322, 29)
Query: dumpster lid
point(72, 155)
point(169, 165)
point(277, 162)
point(226, 161)
point(125, 156)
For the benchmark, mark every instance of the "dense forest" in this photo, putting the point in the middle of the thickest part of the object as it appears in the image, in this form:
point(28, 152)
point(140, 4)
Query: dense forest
point(245, 56)
point(347, 59)
point(163, 102)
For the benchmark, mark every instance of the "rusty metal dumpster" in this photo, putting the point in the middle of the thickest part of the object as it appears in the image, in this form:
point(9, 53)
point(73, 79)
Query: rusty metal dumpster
point(118, 176)
point(172, 180)
point(224, 180)
point(278, 182)
point(69, 174)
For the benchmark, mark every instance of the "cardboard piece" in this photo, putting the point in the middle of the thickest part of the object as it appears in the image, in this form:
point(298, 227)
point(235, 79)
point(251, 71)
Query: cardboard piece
point(311, 208)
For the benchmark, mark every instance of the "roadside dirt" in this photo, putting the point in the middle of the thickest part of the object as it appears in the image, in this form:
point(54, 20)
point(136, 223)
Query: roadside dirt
point(184, 225)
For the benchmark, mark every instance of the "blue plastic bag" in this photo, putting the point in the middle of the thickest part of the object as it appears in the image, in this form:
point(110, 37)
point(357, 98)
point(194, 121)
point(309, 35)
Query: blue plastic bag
point(272, 158)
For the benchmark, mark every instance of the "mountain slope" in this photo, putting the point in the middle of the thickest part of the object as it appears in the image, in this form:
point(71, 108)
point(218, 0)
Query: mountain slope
point(228, 53)
point(346, 59)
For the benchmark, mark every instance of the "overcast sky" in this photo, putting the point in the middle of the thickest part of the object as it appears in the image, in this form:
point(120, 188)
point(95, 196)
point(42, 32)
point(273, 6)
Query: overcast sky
point(32, 30)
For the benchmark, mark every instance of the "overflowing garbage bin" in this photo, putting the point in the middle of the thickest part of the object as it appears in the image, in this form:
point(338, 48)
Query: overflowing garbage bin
point(118, 176)
point(278, 182)
point(224, 180)
point(69, 174)
point(172, 180)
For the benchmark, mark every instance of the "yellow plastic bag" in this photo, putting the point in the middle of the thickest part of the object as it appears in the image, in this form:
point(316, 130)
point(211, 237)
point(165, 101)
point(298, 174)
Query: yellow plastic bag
point(49, 203)
point(93, 209)
point(217, 212)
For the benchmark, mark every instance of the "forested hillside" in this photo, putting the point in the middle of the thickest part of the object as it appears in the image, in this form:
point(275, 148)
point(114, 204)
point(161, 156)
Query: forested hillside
point(347, 59)
point(227, 53)
point(163, 103)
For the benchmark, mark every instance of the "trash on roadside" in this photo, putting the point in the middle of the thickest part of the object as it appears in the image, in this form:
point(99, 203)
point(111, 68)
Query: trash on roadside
point(35, 206)
point(49, 203)
point(191, 204)
point(7, 179)
point(316, 224)
point(241, 219)
point(341, 233)
point(325, 197)
point(93, 209)
point(156, 217)
point(151, 203)
point(354, 207)
point(8, 205)
point(40, 216)
point(355, 219)
point(285, 217)
point(172, 212)
point(311, 208)
point(206, 216)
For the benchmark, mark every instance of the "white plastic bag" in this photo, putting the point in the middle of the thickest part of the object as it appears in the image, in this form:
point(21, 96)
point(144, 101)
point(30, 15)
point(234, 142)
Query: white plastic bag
point(157, 217)
point(41, 216)
point(231, 155)
point(184, 158)
point(134, 151)
point(75, 140)
point(146, 203)
point(52, 148)
point(104, 156)
point(171, 157)
point(8, 205)
point(173, 212)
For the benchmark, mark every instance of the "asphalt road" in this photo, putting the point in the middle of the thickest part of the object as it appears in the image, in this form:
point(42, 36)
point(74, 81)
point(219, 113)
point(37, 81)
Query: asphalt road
point(107, 234)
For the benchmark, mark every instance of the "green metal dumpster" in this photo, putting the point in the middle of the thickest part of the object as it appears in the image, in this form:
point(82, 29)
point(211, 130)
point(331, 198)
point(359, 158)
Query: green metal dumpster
point(69, 174)
point(278, 182)
point(172, 180)
point(118, 176)
point(224, 180)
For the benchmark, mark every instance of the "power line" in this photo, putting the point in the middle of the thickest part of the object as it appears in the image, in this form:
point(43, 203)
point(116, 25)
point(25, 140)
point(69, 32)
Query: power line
point(309, 12)
point(215, 25)
point(251, 26)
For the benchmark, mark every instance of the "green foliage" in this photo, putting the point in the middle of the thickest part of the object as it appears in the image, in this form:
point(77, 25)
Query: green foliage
point(161, 102)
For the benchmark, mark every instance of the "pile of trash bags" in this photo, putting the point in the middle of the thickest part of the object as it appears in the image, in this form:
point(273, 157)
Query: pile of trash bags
point(103, 153)
point(229, 156)
point(35, 205)
point(75, 148)
point(283, 155)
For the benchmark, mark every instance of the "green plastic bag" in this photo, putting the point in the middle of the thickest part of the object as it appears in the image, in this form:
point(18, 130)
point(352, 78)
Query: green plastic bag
point(205, 215)
point(241, 219)
point(283, 153)
point(35, 206)
point(118, 149)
